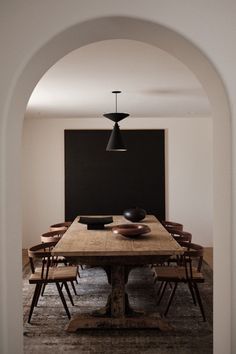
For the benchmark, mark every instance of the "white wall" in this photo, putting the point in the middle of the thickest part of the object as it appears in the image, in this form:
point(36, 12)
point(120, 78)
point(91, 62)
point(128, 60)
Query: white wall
point(188, 171)
point(29, 46)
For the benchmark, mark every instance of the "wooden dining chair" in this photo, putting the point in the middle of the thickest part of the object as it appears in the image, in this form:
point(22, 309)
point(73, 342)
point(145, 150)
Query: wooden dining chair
point(170, 225)
point(188, 271)
point(52, 236)
point(56, 232)
point(180, 235)
point(55, 236)
point(47, 272)
point(60, 226)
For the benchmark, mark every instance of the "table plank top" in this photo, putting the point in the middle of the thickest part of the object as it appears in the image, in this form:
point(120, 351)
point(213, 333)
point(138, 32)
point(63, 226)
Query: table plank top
point(78, 241)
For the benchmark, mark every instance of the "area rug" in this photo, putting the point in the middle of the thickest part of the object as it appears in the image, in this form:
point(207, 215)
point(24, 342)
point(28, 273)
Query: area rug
point(46, 333)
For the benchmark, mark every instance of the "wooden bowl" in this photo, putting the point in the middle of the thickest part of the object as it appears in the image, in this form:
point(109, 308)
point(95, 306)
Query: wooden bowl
point(131, 230)
point(95, 222)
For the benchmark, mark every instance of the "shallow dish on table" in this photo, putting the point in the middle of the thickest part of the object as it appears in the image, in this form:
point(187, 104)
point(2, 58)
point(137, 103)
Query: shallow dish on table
point(95, 222)
point(131, 230)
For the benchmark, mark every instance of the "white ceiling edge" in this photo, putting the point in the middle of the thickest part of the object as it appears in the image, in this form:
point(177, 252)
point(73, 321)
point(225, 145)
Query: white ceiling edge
point(153, 84)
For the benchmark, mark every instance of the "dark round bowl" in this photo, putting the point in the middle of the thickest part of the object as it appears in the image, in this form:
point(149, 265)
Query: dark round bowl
point(135, 214)
point(131, 230)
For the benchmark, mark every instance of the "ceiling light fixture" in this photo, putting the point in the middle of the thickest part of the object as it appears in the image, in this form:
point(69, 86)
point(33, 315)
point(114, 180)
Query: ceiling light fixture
point(115, 142)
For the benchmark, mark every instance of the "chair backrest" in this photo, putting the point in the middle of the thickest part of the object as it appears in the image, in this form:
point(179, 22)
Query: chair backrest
point(60, 226)
point(52, 236)
point(169, 225)
point(192, 252)
point(181, 235)
point(41, 252)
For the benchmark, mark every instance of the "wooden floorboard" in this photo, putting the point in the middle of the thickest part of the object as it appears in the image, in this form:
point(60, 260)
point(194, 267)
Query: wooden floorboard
point(208, 256)
point(25, 259)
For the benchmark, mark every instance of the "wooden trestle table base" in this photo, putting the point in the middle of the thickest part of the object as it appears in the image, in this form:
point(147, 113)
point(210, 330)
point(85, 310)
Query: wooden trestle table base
point(117, 255)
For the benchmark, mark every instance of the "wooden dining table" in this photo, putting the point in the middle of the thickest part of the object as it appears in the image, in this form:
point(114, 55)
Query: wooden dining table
point(117, 255)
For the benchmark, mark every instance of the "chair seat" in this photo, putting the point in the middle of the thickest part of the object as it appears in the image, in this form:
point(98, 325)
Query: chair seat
point(59, 274)
point(166, 273)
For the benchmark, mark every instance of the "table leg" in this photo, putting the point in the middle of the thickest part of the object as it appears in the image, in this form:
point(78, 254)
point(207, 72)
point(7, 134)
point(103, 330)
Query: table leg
point(117, 297)
point(117, 313)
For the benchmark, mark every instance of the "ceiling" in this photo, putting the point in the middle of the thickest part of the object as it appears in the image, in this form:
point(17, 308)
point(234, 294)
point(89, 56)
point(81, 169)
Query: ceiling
point(153, 84)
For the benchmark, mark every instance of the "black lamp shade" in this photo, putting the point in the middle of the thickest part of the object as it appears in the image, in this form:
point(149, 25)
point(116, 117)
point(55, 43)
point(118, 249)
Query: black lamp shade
point(116, 116)
point(115, 142)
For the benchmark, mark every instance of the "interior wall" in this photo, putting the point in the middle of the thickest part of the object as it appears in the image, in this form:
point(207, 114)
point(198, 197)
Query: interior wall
point(31, 49)
point(188, 171)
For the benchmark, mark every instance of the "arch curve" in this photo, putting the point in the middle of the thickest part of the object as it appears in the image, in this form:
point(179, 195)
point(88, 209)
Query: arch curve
point(37, 64)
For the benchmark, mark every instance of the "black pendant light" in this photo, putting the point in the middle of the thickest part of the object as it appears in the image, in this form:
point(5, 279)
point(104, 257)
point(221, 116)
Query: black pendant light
point(115, 142)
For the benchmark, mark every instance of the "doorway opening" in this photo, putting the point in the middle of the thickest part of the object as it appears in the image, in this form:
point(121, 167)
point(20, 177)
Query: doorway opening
point(53, 50)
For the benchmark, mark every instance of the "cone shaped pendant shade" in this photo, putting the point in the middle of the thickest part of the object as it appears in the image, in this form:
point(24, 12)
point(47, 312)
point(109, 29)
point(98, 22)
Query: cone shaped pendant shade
point(115, 142)
point(116, 117)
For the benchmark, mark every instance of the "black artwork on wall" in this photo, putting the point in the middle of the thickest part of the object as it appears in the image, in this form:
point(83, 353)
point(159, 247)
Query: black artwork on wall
point(98, 182)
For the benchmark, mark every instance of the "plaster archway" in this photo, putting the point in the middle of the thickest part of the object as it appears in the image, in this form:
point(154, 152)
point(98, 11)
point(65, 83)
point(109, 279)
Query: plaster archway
point(35, 66)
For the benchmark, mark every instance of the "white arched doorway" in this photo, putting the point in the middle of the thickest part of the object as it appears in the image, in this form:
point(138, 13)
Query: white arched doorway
point(75, 37)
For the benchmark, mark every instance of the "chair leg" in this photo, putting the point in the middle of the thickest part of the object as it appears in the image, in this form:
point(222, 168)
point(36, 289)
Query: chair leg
point(44, 286)
point(39, 291)
point(78, 272)
point(199, 300)
point(73, 287)
point(63, 299)
point(68, 293)
point(160, 288)
point(190, 285)
point(162, 292)
point(170, 299)
point(34, 300)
